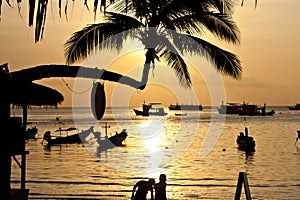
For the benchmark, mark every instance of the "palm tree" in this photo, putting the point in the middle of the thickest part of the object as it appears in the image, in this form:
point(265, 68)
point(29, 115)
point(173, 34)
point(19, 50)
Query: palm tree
point(166, 29)
point(38, 10)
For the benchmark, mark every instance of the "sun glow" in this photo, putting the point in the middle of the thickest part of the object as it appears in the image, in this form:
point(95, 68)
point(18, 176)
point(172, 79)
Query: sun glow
point(153, 136)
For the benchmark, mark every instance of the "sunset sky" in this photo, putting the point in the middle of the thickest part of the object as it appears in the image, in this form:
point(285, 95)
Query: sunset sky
point(269, 52)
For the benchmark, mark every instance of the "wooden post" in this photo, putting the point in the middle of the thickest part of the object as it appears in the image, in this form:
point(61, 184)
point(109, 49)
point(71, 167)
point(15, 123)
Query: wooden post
point(242, 179)
point(23, 171)
point(5, 142)
point(106, 126)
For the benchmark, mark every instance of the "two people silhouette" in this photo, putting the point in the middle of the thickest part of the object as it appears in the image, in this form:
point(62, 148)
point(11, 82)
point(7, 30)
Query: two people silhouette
point(143, 187)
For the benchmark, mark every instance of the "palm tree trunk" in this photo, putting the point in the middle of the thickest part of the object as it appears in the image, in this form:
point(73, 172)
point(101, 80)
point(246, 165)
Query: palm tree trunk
point(150, 56)
point(48, 71)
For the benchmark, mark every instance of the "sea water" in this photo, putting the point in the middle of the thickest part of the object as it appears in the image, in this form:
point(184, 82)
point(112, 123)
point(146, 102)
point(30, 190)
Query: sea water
point(172, 145)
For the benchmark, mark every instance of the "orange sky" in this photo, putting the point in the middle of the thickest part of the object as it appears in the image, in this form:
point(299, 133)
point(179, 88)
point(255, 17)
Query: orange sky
point(269, 49)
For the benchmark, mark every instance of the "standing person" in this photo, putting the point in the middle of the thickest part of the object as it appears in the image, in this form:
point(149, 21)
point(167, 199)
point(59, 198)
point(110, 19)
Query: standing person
point(160, 188)
point(143, 188)
point(298, 137)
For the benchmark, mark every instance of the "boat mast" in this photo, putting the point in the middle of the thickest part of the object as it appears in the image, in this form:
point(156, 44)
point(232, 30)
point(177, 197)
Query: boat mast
point(106, 126)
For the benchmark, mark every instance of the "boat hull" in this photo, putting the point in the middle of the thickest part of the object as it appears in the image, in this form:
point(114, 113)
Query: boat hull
point(244, 109)
point(151, 109)
point(118, 138)
point(78, 138)
point(296, 107)
point(245, 143)
point(185, 107)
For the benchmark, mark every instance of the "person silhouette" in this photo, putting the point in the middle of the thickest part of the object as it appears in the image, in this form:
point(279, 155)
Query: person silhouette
point(143, 188)
point(160, 188)
point(298, 136)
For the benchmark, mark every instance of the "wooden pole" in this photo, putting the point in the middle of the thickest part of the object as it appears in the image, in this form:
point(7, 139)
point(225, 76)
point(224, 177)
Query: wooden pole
point(23, 171)
point(242, 179)
point(5, 141)
point(106, 126)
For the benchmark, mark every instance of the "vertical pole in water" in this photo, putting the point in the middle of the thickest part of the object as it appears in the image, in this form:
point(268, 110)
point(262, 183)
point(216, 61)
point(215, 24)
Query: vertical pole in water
point(106, 129)
point(105, 126)
point(246, 131)
point(242, 179)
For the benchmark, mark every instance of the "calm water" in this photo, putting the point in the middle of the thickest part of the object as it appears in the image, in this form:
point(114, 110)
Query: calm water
point(169, 145)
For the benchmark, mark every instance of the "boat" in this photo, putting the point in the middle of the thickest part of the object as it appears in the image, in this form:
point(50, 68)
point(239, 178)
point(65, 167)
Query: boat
point(180, 114)
point(244, 109)
point(245, 142)
point(229, 108)
point(254, 110)
point(157, 110)
point(151, 109)
point(78, 138)
point(295, 107)
point(69, 139)
point(30, 133)
point(118, 138)
point(185, 107)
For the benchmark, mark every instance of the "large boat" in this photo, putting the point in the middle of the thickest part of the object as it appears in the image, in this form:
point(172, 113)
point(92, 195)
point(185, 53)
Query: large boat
point(151, 109)
point(295, 107)
point(229, 108)
point(185, 107)
point(244, 109)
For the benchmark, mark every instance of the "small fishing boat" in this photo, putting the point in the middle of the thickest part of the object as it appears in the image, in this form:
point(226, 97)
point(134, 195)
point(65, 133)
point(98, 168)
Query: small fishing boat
point(68, 139)
point(245, 142)
point(30, 133)
point(78, 138)
point(180, 114)
point(118, 138)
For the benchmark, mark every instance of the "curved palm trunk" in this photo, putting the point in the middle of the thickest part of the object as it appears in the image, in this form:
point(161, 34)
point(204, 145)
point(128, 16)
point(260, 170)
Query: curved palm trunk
point(150, 55)
point(48, 71)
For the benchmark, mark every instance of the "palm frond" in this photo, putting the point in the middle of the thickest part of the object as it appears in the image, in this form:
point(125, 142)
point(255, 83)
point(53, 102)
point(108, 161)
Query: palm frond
point(222, 6)
point(224, 61)
point(31, 12)
point(221, 26)
point(40, 19)
point(123, 20)
point(197, 17)
point(176, 62)
point(186, 23)
point(109, 35)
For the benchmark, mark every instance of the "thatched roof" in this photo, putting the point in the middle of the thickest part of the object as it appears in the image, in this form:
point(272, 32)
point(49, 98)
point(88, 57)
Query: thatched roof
point(28, 93)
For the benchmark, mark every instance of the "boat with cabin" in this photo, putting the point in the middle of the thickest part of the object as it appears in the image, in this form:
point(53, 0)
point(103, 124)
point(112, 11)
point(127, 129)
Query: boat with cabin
point(294, 107)
point(185, 107)
point(244, 109)
point(151, 109)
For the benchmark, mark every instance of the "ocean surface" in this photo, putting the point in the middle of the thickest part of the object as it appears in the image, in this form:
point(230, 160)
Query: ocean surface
point(197, 152)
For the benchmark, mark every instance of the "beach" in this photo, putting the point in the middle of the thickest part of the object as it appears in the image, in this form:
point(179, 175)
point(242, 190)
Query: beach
point(77, 171)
